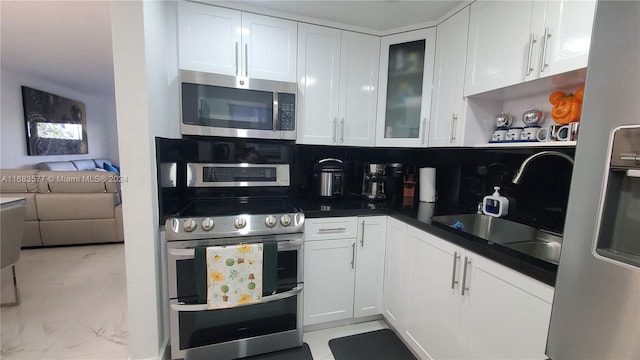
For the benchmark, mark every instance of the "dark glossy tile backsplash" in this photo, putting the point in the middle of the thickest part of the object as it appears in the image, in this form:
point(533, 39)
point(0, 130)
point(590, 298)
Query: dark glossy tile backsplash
point(463, 176)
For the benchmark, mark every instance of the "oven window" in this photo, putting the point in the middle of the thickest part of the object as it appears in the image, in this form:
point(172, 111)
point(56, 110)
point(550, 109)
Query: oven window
point(287, 276)
point(287, 270)
point(200, 328)
point(224, 107)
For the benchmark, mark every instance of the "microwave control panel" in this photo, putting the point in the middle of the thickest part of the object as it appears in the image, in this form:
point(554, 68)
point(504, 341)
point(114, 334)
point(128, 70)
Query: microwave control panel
point(286, 112)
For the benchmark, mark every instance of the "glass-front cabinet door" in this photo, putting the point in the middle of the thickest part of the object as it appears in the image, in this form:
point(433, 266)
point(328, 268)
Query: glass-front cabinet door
point(406, 76)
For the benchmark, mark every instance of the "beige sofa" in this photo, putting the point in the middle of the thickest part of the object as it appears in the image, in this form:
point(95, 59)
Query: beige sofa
point(66, 207)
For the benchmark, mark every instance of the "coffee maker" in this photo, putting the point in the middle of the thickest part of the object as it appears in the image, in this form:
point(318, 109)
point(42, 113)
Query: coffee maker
point(373, 182)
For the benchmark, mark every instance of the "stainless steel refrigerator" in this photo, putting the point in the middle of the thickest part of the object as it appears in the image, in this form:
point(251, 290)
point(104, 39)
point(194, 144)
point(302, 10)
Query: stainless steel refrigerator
point(596, 309)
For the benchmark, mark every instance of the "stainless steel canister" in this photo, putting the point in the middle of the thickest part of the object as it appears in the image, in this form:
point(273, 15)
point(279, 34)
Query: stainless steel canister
point(329, 177)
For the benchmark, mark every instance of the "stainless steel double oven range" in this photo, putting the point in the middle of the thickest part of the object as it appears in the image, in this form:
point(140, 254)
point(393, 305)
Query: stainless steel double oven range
point(223, 201)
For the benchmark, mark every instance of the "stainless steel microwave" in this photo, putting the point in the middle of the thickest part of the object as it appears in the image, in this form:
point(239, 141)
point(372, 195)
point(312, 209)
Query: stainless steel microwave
point(236, 106)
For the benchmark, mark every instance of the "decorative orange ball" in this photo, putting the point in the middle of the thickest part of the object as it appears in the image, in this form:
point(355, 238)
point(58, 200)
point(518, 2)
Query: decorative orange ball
point(567, 108)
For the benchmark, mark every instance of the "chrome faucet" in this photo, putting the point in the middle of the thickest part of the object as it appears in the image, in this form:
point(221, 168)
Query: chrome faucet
point(523, 166)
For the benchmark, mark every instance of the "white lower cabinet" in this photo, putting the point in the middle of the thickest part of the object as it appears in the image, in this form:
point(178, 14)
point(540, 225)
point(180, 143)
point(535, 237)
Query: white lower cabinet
point(343, 275)
point(328, 280)
point(433, 295)
point(395, 279)
point(460, 305)
point(505, 315)
point(369, 266)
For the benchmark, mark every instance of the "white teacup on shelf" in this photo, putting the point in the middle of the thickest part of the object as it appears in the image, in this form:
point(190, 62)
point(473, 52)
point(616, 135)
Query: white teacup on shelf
point(513, 134)
point(499, 135)
point(530, 133)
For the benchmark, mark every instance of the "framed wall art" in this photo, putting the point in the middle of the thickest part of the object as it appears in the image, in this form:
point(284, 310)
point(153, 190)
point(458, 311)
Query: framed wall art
point(54, 124)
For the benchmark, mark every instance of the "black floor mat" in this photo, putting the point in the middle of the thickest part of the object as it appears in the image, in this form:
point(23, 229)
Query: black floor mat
point(380, 344)
point(299, 353)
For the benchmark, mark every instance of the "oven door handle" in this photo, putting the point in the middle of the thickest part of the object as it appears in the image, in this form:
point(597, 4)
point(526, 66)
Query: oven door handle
point(182, 253)
point(203, 307)
point(189, 253)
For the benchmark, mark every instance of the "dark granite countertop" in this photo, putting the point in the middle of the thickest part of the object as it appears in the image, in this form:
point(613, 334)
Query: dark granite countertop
point(351, 205)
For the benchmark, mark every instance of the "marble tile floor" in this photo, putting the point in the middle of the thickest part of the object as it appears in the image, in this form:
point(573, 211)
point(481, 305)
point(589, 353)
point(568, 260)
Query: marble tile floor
point(74, 307)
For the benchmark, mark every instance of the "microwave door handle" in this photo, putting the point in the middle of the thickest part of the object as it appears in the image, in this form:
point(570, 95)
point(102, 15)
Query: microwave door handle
point(203, 307)
point(276, 112)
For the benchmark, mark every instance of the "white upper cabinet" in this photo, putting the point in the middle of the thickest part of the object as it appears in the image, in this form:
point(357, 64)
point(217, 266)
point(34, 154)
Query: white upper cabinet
point(511, 42)
point(359, 62)
point(337, 86)
point(230, 42)
point(404, 98)
point(269, 47)
point(209, 38)
point(568, 28)
point(319, 67)
point(447, 106)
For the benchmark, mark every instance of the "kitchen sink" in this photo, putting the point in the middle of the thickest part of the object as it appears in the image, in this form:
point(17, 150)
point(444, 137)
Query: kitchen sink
point(519, 237)
point(549, 251)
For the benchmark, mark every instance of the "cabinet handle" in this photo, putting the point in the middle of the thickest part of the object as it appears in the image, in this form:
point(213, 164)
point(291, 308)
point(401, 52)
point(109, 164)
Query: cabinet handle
point(353, 255)
point(424, 130)
point(532, 41)
point(362, 236)
point(464, 275)
point(246, 60)
point(237, 59)
point(454, 120)
point(342, 130)
point(453, 272)
point(339, 229)
point(545, 43)
point(335, 130)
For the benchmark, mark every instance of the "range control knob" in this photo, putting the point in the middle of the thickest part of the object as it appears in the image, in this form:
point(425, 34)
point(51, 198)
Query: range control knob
point(270, 221)
point(189, 225)
point(208, 224)
point(240, 223)
point(285, 220)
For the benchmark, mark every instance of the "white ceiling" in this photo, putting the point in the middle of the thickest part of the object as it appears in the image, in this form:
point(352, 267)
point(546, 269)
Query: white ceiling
point(63, 42)
point(377, 17)
point(69, 42)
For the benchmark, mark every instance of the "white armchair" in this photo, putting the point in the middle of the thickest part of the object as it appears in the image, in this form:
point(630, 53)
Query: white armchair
point(12, 216)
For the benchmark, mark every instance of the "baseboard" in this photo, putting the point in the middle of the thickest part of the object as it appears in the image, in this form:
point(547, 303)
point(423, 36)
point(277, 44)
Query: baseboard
point(344, 322)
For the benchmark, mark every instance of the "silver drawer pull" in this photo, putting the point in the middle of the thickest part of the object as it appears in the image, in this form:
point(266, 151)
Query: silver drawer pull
point(545, 44)
point(203, 307)
point(532, 41)
point(464, 275)
point(332, 229)
point(353, 255)
point(453, 273)
point(237, 58)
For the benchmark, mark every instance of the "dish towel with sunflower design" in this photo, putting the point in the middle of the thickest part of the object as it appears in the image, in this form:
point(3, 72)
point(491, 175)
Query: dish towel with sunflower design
point(234, 275)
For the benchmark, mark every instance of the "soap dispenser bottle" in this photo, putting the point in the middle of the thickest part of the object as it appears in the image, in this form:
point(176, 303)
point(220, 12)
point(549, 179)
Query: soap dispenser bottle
point(495, 205)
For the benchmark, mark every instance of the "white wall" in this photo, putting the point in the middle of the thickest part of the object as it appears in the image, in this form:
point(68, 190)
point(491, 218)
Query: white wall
point(146, 103)
point(101, 121)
